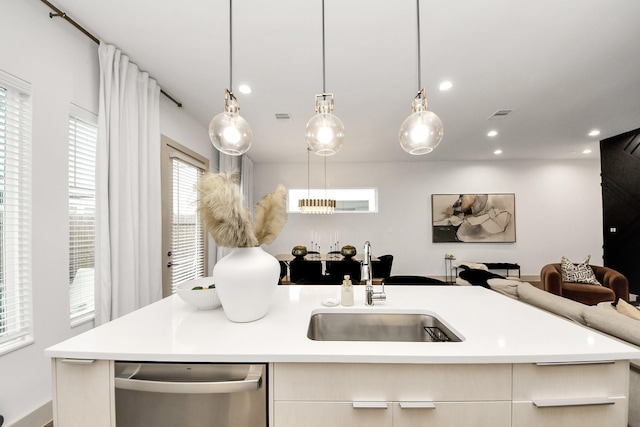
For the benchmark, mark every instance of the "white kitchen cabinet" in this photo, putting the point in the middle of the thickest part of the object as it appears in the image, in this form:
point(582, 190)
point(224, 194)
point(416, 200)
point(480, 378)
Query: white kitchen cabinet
point(565, 394)
point(83, 393)
point(391, 395)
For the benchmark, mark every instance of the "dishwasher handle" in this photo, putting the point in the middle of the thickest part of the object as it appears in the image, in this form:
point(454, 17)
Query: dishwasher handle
point(253, 381)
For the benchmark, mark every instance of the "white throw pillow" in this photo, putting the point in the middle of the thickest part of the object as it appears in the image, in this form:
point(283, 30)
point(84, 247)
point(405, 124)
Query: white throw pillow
point(579, 272)
point(627, 309)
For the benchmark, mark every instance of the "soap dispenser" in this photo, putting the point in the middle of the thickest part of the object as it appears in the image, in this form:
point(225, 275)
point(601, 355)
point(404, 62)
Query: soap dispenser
point(347, 291)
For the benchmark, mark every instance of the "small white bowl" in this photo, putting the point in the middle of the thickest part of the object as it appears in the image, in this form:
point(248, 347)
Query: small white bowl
point(202, 299)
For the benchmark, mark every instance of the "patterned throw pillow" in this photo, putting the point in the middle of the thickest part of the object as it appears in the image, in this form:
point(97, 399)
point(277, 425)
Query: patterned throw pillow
point(578, 273)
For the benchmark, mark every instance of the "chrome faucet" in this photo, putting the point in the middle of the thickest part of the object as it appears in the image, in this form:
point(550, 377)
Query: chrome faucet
point(367, 276)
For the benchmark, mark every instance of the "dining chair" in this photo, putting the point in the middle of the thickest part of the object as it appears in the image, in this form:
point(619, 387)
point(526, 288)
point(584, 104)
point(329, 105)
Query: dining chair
point(301, 270)
point(381, 267)
point(338, 269)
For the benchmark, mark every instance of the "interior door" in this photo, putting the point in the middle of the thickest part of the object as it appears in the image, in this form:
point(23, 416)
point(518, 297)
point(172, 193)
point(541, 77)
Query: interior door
point(620, 161)
point(184, 240)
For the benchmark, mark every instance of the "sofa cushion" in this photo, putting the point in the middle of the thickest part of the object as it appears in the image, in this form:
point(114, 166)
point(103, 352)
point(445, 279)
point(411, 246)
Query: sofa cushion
point(505, 286)
point(605, 319)
point(627, 309)
point(578, 273)
point(555, 304)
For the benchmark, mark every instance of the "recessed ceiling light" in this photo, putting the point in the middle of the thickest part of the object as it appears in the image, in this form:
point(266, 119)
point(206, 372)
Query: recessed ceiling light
point(587, 151)
point(594, 132)
point(492, 133)
point(498, 151)
point(244, 89)
point(446, 85)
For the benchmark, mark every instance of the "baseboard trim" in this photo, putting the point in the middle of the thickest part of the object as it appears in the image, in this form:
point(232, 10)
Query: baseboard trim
point(42, 416)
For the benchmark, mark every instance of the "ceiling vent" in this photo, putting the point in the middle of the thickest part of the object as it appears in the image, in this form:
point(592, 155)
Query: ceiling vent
point(501, 113)
point(283, 116)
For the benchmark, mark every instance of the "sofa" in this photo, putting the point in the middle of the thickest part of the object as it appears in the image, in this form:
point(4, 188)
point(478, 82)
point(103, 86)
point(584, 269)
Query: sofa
point(614, 285)
point(602, 317)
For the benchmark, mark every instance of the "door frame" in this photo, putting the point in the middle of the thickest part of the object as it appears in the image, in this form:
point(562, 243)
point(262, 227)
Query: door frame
point(170, 149)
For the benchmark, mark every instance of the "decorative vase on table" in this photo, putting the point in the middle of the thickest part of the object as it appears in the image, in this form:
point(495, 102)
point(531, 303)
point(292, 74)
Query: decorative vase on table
point(246, 280)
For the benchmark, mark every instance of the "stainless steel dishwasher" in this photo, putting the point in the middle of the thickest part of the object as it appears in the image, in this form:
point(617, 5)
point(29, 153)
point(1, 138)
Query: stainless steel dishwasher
point(190, 395)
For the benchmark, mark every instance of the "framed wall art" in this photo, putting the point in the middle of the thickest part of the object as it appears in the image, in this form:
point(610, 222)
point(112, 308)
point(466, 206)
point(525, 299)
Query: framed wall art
point(473, 218)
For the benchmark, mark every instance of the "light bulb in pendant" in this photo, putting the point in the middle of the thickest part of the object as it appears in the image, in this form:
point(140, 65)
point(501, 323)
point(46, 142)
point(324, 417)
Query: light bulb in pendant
point(325, 131)
point(422, 131)
point(230, 133)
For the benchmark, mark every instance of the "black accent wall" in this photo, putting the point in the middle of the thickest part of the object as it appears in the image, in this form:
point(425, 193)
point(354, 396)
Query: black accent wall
point(620, 163)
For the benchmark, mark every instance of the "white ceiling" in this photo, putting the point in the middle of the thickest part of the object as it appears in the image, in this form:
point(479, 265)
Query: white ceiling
point(564, 67)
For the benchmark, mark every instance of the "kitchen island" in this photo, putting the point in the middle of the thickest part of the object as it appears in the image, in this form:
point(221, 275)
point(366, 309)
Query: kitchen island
point(516, 363)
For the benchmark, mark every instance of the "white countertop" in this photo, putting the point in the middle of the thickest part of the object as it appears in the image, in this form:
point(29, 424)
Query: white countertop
point(496, 329)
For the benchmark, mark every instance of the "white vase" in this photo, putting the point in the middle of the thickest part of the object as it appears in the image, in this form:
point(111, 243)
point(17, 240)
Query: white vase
point(246, 280)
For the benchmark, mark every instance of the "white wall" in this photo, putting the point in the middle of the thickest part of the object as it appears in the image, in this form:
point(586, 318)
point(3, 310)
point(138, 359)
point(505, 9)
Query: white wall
point(558, 210)
point(62, 66)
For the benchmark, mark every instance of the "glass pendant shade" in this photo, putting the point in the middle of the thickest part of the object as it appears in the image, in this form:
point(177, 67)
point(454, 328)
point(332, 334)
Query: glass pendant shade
point(324, 132)
point(230, 133)
point(422, 131)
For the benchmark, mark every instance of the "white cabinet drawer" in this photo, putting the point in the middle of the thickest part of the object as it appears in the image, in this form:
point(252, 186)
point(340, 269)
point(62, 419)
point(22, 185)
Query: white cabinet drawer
point(526, 414)
point(387, 414)
point(561, 381)
point(452, 414)
point(390, 382)
point(333, 414)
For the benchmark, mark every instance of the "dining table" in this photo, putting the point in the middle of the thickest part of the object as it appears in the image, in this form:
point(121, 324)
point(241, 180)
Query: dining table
point(322, 257)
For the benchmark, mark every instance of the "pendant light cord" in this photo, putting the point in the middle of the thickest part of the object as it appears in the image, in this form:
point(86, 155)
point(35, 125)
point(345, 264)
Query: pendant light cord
point(419, 61)
point(231, 46)
point(325, 176)
point(308, 177)
point(324, 67)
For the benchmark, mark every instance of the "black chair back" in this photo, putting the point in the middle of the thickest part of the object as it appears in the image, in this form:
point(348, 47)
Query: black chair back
point(338, 269)
point(381, 268)
point(301, 270)
point(412, 280)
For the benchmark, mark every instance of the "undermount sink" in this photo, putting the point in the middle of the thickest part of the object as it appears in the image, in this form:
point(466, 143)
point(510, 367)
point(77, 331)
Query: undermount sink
point(378, 326)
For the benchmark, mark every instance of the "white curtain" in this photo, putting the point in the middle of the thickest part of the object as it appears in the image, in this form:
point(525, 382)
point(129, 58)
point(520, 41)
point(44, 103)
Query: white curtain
point(128, 259)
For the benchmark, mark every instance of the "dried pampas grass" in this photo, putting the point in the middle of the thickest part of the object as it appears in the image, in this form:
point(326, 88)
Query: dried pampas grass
point(228, 222)
point(271, 216)
point(221, 210)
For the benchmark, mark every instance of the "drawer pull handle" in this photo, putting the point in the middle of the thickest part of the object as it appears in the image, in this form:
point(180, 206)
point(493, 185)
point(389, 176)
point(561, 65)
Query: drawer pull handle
point(586, 401)
point(78, 361)
point(594, 362)
point(417, 405)
point(370, 405)
point(253, 381)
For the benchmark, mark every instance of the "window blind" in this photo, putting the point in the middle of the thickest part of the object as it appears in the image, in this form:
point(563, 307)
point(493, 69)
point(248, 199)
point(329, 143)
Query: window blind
point(187, 233)
point(15, 214)
point(83, 136)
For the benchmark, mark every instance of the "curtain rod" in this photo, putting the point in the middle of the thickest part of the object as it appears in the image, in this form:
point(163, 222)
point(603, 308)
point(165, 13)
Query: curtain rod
point(61, 14)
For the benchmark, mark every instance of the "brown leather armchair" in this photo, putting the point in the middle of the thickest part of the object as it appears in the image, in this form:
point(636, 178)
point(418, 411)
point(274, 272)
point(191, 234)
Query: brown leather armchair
point(614, 285)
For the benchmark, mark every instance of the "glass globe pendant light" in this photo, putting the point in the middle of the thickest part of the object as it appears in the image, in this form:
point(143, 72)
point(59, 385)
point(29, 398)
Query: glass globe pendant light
point(422, 131)
point(325, 131)
point(230, 133)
